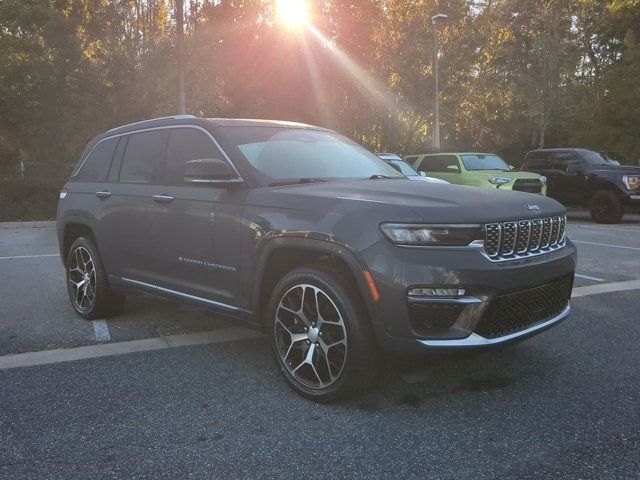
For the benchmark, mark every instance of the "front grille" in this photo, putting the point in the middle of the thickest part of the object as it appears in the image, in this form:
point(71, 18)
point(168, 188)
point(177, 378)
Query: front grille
point(425, 317)
point(512, 312)
point(523, 238)
point(531, 186)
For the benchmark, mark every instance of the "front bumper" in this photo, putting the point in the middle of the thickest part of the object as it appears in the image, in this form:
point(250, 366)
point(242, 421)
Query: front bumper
point(476, 341)
point(631, 201)
point(456, 323)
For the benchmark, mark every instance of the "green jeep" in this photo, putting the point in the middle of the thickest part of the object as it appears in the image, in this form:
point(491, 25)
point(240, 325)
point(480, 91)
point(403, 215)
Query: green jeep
point(478, 170)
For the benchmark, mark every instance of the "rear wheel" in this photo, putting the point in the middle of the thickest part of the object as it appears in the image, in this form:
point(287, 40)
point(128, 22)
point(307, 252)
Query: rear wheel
point(87, 284)
point(321, 337)
point(605, 207)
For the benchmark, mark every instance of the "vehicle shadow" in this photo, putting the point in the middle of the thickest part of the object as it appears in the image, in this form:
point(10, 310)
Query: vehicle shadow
point(577, 215)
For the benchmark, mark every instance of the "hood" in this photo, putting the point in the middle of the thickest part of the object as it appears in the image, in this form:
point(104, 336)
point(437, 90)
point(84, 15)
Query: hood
point(514, 174)
point(420, 178)
point(404, 200)
point(620, 169)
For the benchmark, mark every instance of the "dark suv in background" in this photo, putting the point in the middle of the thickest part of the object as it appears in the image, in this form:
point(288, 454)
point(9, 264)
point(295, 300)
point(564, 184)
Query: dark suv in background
point(312, 238)
point(584, 178)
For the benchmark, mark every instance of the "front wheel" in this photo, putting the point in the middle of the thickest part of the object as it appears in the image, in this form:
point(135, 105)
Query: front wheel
point(87, 283)
point(605, 207)
point(321, 337)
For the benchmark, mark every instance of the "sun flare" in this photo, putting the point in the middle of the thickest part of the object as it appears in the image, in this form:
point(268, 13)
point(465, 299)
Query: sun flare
point(292, 13)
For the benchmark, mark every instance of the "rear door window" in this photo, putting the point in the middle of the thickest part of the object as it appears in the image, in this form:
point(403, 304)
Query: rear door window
point(142, 159)
point(187, 144)
point(96, 164)
point(440, 163)
point(561, 160)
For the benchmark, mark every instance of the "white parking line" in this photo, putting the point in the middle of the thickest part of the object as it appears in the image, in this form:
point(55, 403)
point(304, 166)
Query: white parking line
point(45, 357)
point(587, 277)
point(605, 288)
point(101, 330)
point(606, 245)
point(607, 229)
point(30, 256)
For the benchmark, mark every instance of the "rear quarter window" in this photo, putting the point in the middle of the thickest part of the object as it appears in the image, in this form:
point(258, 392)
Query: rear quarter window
point(95, 166)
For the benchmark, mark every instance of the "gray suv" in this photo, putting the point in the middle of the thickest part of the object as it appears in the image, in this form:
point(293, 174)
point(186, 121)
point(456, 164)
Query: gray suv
point(307, 235)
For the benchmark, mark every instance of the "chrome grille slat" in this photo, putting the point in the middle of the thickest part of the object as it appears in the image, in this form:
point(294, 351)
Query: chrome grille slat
point(536, 234)
point(546, 233)
point(555, 230)
point(509, 234)
point(492, 239)
point(523, 238)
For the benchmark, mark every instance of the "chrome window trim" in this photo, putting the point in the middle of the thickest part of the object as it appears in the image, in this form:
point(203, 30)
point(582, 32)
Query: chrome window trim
point(238, 179)
point(475, 340)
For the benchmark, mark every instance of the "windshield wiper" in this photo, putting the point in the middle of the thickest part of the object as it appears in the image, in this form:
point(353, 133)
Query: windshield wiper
point(296, 181)
point(379, 177)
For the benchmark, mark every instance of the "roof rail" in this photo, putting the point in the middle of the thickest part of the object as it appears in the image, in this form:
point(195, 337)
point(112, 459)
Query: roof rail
point(173, 117)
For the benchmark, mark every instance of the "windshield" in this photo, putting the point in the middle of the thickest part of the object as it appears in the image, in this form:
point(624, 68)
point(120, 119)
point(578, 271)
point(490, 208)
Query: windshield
point(479, 161)
point(595, 158)
point(294, 153)
point(404, 168)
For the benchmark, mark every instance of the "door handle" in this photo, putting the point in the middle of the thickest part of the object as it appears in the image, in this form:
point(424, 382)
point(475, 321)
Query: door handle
point(162, 198)
point(103, 194)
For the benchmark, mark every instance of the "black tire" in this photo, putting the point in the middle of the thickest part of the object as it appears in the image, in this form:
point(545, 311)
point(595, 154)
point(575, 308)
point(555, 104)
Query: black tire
point(360, 357)
point(605, 207)
point(103, 303)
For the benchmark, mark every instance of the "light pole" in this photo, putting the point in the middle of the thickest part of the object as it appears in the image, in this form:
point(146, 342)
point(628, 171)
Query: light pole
point(436, 104)
point(182, 101)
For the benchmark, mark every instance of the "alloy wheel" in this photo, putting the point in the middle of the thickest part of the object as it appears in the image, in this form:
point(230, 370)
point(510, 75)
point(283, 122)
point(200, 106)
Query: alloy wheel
point(82, 279)
point(310, 336)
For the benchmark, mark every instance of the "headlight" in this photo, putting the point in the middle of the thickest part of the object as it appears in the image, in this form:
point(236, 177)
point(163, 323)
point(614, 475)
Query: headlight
point(632, 181)
point(431, 235)
point(499, 180)
point(543, 179)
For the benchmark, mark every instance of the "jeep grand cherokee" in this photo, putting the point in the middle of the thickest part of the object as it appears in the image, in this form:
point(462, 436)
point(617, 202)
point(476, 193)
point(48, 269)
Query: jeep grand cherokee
point(309, 236)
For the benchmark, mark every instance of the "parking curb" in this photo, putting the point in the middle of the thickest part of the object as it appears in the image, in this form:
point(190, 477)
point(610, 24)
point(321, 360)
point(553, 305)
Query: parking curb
point(38, 224)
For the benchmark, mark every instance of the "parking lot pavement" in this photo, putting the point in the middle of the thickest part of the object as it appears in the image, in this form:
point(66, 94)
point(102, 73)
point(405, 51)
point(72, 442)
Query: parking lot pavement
point(605, 252)
point(562, 405)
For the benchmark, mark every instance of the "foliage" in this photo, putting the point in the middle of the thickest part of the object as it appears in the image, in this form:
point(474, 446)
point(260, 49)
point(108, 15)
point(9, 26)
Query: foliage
point(515, 74)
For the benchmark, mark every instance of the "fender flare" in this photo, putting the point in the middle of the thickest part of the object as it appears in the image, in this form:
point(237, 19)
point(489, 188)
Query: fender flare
point(603, 184)
point(355, 265)
point(73, 219)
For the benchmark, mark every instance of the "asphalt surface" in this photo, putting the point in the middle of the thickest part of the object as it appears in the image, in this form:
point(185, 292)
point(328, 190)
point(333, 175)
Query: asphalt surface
point(564, 404)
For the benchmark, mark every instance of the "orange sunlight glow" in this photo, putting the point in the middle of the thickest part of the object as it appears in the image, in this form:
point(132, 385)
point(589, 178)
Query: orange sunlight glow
point(292, 13)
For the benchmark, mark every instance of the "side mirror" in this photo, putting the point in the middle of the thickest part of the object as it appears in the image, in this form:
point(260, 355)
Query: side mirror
point(453, 168)
point(208, 170)
point(422, 174)
point(511, 167)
